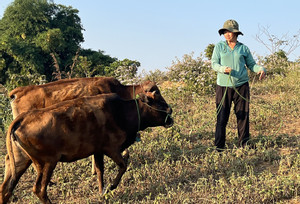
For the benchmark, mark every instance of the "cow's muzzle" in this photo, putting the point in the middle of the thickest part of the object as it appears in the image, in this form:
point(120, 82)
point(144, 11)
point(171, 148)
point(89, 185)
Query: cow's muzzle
point(169, 120)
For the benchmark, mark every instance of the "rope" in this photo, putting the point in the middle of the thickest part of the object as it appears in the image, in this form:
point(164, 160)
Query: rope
point(158, 110)
point(235, 89)
point(223, 98)
point(184, 156)
point(281, 120)
point(138, 110)
point(222, 102)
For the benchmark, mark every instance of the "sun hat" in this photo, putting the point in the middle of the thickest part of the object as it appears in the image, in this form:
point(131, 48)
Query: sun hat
point(232, 26)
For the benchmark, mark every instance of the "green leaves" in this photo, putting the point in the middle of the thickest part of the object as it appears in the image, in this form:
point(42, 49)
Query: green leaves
point(124, 70)
point(26, 17)
point(50, 40)
point(33, 31)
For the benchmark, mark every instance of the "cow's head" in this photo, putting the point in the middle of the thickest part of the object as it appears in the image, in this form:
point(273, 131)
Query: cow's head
point(150, 86)
point(158, 107)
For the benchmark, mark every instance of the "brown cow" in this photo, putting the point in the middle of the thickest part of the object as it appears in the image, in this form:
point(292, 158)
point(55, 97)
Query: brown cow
point(75, 129)
point(41, 96)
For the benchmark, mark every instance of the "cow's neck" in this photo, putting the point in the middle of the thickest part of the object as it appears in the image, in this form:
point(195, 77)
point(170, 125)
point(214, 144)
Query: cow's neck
point(133, 115)
point(134, 90)
point(126, 115)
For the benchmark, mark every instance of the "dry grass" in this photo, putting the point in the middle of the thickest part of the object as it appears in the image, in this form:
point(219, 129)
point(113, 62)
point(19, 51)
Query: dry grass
point(179, 165)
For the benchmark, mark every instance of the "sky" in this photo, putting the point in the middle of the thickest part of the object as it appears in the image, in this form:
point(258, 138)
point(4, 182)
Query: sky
point(158, 32)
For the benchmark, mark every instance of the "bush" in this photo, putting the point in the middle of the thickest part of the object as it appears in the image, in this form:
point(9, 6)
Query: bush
point(5, 109)
point(197, 74)
point(276, 64)
point(125, 70)
point(158, 76)
point(25, 79)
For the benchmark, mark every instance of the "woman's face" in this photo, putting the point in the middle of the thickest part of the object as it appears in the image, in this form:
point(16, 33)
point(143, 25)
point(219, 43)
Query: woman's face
point(230, 36)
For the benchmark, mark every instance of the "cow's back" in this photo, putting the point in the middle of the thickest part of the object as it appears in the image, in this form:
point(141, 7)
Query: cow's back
point(41, 96)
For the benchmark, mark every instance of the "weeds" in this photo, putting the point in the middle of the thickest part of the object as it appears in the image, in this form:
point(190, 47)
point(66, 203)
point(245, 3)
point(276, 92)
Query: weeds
point(180, 164)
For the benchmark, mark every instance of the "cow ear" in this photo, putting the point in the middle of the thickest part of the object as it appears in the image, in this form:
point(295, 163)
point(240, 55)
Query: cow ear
point(153, 94)
point(148, 85)
point(150, 95)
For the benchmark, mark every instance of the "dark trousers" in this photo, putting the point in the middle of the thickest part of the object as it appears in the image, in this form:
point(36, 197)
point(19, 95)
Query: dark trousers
point(241, 110)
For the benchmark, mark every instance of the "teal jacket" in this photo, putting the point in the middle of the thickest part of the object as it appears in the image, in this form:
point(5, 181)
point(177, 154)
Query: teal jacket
point(237, 59)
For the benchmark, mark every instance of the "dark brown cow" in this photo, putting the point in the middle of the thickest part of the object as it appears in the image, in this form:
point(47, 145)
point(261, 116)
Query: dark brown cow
point(41, 96)
point(75, 129)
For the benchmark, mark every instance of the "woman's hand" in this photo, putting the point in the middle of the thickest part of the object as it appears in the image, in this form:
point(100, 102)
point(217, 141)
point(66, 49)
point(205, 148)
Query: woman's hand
point(262, 74)
point(227, 70)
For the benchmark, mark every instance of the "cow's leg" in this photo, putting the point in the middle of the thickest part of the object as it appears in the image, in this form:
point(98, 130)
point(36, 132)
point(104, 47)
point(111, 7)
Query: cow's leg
point(94, 171)
point(119, 160)
point(125, 155)
point(99, 167)
point(22, 162)
point(44, 172)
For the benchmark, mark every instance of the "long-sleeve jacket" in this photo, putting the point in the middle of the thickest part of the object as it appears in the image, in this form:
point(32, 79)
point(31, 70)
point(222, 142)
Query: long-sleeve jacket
point(238, 59)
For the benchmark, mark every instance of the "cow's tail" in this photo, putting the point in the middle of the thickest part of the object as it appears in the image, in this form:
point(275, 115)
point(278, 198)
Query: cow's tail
point(10, 137)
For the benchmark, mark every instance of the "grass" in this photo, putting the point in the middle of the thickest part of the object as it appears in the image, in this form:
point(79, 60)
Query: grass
point(180, 165)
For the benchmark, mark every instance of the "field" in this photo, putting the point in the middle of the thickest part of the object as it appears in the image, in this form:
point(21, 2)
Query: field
point(180, 165)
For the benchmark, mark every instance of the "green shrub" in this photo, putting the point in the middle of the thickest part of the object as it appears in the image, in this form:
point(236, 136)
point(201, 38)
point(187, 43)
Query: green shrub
point(197, 74)
point(276, 64)
point(5, 109)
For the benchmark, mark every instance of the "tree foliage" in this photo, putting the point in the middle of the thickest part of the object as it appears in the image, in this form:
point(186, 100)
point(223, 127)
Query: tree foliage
point(33, 33)
point(40, 39)
point(209, 51)
point(124, 70)
point(99, 60)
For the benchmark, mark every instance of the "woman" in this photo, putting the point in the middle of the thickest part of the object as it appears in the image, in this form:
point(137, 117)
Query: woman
point(231, 59)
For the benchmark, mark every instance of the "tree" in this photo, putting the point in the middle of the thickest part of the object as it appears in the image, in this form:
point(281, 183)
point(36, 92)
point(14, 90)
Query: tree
point(277, 63)
point(277, 44)
point(281, 54)
point(209, 51)
point(37, 34)
point(67, 20)
point(98, 60)
point(83, 68)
